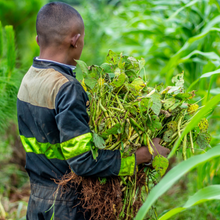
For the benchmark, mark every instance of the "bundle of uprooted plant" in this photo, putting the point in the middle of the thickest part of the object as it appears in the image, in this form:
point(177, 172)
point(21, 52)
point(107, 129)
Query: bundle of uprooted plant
point(126, 114)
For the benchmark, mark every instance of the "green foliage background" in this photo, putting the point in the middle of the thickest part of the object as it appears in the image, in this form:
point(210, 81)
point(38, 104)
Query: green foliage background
point(22, 16)
point(172, 36)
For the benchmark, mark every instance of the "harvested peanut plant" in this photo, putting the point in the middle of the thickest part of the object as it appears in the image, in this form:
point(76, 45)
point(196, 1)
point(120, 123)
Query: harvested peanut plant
point(126, 114)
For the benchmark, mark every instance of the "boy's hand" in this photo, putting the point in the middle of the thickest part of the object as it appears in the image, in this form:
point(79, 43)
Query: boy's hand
point(143, 155)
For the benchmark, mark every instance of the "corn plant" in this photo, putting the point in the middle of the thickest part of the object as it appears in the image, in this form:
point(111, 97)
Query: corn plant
point(171, 36)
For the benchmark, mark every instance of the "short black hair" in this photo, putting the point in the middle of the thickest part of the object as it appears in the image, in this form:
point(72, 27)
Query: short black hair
point(52, 22)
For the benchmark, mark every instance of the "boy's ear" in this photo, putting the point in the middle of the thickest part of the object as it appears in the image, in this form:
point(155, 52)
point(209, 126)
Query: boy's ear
point(37, 39)
point(74, 40)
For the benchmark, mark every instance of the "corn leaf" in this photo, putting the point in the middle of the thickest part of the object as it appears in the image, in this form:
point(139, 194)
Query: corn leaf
point(174, 61)
point(210, 73)
point(203, 195)
point(182, 8)
point(215, 91)
point(172, 176)
point(83, 67)
point(208, 55)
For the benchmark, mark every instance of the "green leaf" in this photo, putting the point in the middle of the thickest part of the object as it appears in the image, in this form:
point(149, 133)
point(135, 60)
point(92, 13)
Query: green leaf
point(210, 73)
point(98, 141)
point(193, 84)
point(131, 74)
point(108, 68)
point(131, 109)
point(209, 105)
point(119, 80)
point(94, 152)
point(183, 96)
point(95, 71)
point(172, 176)
point(202, 140)
point(134, 62)
point(113, 130)
point(174, 107)
point(90, 82)
point(178, 80)
point(174, 89)
point(102, 180)
point(174, 60)
point(156, 107)
point(172, 125)
point(137, 84)
point(208, 55)
point(154, 123)
point(205, 31)
point(167, 136)
point(160, 164)
point(83, 66)
point(112, 57)
point(167, 103)
point(215, 91)
point(182, 8)
point(141, 63)
point(146, 103)
point(208, 193)
point(121, 63)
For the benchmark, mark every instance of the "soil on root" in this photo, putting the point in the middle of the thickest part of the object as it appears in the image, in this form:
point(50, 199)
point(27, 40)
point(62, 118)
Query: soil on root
point(104, 201)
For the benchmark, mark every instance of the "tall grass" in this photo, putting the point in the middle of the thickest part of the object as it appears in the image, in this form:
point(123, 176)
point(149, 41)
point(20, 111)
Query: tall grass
point(9, 77)
point(22, 16)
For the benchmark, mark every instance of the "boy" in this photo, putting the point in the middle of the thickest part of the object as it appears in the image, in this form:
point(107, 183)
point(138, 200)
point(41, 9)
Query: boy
point(53, 122)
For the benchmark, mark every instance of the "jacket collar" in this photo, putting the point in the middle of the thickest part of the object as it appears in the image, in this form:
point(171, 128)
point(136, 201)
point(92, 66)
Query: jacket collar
point(45, 64)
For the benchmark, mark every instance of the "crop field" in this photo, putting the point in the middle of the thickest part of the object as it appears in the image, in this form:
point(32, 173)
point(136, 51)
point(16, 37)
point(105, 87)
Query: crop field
point(151, 69)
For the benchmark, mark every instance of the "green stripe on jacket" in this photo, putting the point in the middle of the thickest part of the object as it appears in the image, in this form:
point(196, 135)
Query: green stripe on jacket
point(76, 146)
point(73, 148)
point(127, 165)
point(62, 151)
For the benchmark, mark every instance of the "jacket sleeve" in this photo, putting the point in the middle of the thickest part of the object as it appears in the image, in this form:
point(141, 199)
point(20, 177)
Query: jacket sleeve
point(76, 138)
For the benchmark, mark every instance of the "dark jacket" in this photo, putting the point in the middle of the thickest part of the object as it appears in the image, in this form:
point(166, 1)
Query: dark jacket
point(53, 125)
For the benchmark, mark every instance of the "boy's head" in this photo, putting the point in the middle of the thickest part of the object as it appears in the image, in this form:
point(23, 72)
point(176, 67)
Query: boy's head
point(60, 28)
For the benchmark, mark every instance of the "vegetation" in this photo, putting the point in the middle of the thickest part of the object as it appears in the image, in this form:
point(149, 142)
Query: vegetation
point(126, 114)
point(11, 175)
point(22, 16)
point(171, 36)
point(9, 76)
